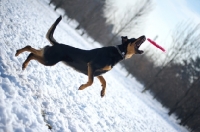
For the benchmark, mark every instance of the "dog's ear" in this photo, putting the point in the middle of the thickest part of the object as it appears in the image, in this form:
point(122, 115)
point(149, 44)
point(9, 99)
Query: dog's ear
point(124, 39)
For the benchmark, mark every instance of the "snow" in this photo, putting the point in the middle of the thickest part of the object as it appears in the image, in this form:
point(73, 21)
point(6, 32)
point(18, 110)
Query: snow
point(38, 97)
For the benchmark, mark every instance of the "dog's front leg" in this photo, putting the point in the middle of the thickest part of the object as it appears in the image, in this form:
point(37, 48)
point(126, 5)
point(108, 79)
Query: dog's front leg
point(90, 77)
point(103, 84)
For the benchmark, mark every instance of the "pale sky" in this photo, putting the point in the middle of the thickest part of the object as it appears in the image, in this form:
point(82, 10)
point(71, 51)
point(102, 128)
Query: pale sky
point(165, 16)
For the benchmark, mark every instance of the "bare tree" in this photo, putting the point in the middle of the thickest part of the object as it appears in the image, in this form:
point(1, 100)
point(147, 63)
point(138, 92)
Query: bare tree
point(184, 44)
point(131, 19)
point(180, 101)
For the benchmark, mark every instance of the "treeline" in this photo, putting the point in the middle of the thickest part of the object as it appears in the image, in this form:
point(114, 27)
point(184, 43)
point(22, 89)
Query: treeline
point(174, 81)
point(176, 86)
point(90, 16)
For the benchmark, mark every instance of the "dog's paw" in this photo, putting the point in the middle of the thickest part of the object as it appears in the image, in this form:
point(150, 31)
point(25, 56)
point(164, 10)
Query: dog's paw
point(24, 66)
point(82, 87)
point(17, 53)
point(103, 92)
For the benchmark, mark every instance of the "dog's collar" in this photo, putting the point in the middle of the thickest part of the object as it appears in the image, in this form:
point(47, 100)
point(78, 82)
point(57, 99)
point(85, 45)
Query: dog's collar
point(121, 53)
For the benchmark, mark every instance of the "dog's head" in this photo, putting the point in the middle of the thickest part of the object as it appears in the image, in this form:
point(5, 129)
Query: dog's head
point(131, 46)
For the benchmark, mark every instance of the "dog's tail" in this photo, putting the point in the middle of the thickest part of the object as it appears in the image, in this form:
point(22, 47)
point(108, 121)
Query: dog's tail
point(50, 32)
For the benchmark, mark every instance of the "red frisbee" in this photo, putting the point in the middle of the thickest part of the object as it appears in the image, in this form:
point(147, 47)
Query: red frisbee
point(156, 45)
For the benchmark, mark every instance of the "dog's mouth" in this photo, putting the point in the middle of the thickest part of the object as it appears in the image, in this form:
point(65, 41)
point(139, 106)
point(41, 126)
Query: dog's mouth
point(139, 43)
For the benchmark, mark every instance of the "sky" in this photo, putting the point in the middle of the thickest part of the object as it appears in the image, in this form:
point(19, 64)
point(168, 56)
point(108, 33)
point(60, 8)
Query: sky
point(166, 15)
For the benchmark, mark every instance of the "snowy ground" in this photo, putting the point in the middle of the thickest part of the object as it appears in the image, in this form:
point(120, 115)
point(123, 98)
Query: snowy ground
point(42, 95)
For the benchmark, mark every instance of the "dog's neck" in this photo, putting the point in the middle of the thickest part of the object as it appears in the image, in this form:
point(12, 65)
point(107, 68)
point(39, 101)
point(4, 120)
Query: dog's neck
point(120, 50)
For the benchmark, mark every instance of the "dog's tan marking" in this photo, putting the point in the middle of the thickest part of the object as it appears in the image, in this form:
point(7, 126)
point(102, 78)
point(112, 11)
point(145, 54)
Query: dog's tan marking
point(35, 55)
point(32, 57)
point(107, 68)
point(103, 84)
point(30, 49)
point(90, 78)
point(130, 50)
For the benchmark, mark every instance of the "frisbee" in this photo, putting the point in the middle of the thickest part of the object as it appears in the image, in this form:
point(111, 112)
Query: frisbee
point(156, 45)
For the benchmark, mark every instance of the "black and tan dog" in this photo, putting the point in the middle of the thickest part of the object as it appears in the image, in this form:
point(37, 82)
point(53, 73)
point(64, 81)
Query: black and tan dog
point(93, 62)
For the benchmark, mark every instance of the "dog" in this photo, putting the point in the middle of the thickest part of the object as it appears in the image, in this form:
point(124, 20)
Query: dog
point(92, 63)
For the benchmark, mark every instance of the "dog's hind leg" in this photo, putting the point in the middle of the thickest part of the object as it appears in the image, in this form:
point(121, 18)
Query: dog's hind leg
point(30, 49)
point(103, 84)
point(32, 57)
point(35, 54)
point(90, 77)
